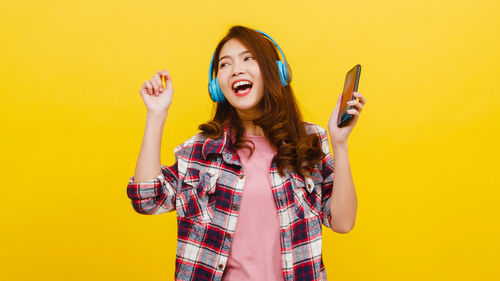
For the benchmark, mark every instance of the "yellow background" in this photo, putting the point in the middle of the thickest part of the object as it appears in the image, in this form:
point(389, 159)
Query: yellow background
point(424, 154)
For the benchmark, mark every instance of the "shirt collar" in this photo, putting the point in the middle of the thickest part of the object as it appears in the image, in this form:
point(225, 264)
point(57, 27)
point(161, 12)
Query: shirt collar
point(223, 146)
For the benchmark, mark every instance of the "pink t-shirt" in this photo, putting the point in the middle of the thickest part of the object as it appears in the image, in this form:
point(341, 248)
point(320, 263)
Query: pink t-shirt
point(255, 251)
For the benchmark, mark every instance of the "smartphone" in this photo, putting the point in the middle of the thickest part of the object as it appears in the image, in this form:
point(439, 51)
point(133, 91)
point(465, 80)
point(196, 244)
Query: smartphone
point(350, 86)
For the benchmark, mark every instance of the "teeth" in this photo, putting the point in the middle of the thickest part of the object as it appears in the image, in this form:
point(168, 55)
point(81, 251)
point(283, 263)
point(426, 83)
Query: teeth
point(239, 83)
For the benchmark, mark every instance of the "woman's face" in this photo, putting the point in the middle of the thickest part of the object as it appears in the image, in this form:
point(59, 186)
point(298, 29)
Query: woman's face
point(236, 64)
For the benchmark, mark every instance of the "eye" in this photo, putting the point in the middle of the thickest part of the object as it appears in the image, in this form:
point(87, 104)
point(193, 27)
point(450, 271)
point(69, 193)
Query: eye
point(222, 65)
point(248, 58)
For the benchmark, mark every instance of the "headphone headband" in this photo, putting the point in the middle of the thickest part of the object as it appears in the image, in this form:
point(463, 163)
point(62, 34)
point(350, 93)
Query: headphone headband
point(283, 67)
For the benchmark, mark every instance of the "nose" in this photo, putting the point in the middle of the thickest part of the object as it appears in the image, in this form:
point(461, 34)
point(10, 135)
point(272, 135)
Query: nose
point(238, 68)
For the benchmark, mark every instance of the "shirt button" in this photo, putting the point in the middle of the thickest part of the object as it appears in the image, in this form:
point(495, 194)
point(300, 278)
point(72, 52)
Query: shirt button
point(233, 207)
point(221, 266)
point(228, 235)
point(242, 176)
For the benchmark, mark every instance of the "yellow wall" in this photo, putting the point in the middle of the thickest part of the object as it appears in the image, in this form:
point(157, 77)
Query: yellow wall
point(424, 154)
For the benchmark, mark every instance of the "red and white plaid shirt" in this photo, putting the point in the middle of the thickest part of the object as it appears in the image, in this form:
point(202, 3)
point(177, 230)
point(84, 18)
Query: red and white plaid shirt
point(205, 186)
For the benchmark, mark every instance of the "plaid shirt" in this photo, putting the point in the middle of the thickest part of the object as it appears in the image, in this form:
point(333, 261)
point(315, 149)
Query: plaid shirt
point(205, 187)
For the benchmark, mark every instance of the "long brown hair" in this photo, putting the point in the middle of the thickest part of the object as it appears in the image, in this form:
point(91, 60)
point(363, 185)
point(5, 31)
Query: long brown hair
point(281, 120)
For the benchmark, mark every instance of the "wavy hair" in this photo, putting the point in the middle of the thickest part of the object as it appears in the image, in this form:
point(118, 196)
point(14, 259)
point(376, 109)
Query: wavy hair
point(281, 120)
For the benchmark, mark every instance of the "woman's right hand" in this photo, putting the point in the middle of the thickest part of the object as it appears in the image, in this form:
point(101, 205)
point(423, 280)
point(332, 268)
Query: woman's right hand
point(157, 99)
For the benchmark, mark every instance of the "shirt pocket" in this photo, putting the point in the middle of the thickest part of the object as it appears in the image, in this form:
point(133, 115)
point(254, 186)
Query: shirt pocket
point(196, 199)
point(307, 196)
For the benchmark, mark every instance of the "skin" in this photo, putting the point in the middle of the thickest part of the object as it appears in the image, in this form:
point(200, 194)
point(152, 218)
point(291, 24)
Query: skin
point(242, 65)
point(234, 65)
point(158, 100)
point(344, 202)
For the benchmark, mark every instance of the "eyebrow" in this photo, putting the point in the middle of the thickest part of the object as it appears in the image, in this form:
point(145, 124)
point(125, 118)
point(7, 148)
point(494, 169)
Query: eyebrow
point(247, 51)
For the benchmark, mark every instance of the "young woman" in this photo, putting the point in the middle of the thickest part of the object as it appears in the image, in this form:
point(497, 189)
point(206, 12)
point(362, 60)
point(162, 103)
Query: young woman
point(253, 188)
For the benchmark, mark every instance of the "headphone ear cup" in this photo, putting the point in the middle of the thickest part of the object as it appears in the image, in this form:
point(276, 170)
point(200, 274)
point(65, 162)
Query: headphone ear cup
point(283, 74)
point(216, 92)
point(221, 97)
point(211, 89)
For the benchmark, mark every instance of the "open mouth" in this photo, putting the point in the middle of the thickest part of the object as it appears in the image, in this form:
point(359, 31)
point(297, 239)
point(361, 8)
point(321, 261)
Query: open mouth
point(242, 88)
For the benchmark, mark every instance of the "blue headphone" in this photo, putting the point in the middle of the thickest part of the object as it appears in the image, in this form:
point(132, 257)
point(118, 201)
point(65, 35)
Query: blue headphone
point(214, 87)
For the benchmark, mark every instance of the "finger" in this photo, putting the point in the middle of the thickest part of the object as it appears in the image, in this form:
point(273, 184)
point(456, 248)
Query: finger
point(168, 78)
point(355, 103)
point(156, 87)
point(360, 96)
point(337, 105)
point(353, 112)
point(163, 75)
point(144, 89)
point(149, 87)
point(157, 79)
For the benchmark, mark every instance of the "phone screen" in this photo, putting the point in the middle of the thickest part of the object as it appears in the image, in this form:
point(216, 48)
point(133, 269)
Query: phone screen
point(350, 86)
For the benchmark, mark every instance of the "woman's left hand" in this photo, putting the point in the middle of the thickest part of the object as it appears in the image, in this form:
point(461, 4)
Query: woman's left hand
point(339, 135)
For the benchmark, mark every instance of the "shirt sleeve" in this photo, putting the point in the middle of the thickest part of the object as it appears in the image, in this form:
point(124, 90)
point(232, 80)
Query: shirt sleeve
point(155, 196)
point(328, 177)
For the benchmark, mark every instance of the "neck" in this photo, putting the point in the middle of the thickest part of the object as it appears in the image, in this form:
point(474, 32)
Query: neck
point(246, 120)
point(251, 128)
